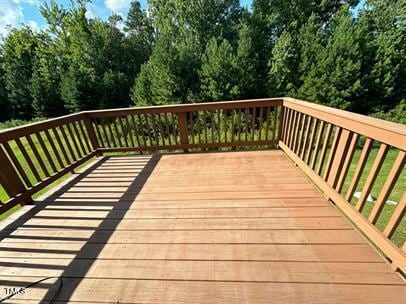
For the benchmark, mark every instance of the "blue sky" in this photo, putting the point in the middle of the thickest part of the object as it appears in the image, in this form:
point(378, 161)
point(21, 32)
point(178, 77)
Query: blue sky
point(17, 12)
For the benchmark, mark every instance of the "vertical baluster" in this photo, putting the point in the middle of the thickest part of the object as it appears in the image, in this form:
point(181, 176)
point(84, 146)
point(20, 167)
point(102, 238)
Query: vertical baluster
point(46, 152)
point(360, 168)
point(333, 150)
point(140, 122)
point(275, 123)
point(246, 124)
point(232, 125)
point(198, 127)
point(239, 125)
point(284, 121)
point(120, 122)
point(137, 135)
point(96, 124)
point(396, 218)
point(292, 129)
point(253, 124)
point(373, 174)
point(156, 135)
point(161, 130)
point(268, 109)
point(130, 134)
point(175, 134)
point(311, 142)
point(205, 127)
point(306, 137)
point(296, 131)
point(89, 135)
point(28, 160)
point(261, 113)
point(73, 140)
point(112, 136)
point(53, 147)
point(301, 133)
point(290, 126)
point(225, 125)
point(168, 133)
point(192, 133)
point(387, 187)
point(324, 149)
point(182, 118)
point(212, 126)
point(347, 162)
point(147, 126)
point(61, 146)
point(17, 164)
point(280, 129)
point(78, 138)
point(218, 126)
point(37, 155)
point(317, 145)
point(117, 131)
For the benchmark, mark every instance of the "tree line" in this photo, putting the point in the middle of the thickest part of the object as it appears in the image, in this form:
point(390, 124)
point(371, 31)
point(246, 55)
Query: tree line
point(208, 50)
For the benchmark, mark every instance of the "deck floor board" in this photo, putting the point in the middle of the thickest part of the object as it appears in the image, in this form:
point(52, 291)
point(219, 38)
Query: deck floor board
point(235, 227)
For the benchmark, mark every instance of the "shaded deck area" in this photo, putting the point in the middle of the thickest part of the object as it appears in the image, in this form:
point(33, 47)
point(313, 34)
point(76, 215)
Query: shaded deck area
point(234, 227)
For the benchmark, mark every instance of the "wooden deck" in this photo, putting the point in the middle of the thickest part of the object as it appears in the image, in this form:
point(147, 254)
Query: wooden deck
point(235, 227)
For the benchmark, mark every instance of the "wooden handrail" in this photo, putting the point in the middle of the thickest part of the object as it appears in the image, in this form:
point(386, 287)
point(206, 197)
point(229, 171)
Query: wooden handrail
point(329, 150)
point(381, 130)
point(321, 140)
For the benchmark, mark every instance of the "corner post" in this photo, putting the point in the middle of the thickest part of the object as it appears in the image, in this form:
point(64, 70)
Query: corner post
point(9, 178)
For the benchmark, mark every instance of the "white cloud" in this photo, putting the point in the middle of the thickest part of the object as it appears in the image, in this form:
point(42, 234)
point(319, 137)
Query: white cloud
point(117, 5)
point(33, 25)
point(11, 14)
point(90, 14)
point(31, 2)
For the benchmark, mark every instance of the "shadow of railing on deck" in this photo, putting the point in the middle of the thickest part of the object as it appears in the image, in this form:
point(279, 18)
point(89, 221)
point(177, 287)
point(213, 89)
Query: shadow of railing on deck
point(72, 269)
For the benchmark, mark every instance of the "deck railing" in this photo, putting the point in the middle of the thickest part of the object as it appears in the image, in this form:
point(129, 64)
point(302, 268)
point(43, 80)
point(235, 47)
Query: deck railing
point(322, 141)
point(340, 151)
point(189, 127)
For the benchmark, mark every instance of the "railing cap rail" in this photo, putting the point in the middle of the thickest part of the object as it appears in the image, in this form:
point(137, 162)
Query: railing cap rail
point(388, 132)
point(38, 126)
point(228, 104)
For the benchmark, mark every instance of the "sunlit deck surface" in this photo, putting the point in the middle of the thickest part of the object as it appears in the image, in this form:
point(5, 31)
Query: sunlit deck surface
point(232, 227)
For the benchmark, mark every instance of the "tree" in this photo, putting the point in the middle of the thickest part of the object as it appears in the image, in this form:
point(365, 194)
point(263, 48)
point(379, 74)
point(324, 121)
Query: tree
point(141, 36)
point(45, 81)
point(18, 60)
point(157, 82)
point(4, 114)
point(283, 67)
point(335, 79)
point(202, 18)
point(219, 72)
point(273, 18)
point(247, 60)
point(311, 41)
point(384, 71)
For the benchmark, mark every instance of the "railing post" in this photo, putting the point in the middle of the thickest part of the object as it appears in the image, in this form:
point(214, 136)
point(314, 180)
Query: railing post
point(91, 133)
point(184, 139)
point(281, 123)
point(9, 178)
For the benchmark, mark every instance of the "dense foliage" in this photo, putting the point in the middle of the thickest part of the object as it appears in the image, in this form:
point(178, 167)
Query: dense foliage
point(208, 50)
